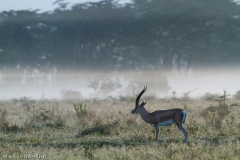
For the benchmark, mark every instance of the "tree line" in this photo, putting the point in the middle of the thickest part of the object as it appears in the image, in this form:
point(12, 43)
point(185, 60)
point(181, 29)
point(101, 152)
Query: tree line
point(154, 34)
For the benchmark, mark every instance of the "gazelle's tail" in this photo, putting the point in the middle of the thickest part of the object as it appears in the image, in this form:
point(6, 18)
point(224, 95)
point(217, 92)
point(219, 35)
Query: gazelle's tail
point(184, 116)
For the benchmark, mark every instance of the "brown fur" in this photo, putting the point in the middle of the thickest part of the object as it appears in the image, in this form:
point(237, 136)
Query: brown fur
point(160, 116)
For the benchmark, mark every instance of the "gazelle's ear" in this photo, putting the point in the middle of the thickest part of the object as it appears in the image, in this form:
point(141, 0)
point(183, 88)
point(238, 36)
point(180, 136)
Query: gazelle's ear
point(143, 103)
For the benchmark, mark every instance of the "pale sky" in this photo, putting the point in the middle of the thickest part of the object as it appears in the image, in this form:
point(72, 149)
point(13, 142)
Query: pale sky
point(44, 5)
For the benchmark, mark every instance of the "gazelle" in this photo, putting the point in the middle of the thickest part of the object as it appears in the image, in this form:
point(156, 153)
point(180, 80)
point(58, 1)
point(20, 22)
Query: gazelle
point(161, 117)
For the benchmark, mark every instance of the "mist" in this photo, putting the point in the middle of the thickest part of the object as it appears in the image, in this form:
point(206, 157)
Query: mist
point(114, 84)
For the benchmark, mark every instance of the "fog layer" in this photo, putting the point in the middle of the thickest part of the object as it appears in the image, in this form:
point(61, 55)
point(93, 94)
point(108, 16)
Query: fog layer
point(107, 84)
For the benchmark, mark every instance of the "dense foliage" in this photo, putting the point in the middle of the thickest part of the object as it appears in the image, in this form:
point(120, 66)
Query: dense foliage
point(145, 34)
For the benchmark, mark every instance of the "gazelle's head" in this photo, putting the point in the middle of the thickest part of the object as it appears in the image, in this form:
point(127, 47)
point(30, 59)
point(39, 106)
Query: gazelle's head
point(137, 105)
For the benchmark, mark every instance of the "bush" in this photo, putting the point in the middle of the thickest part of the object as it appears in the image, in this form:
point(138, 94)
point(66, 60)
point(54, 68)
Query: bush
point(209, 97)
point(71, 95)
point(192, 126)
point(214, 115)
point(44, 118)
point(23, 101)
point(101, 129)
point(237, 95)
point(80, 110)
point(4, 124)
point(127, 98)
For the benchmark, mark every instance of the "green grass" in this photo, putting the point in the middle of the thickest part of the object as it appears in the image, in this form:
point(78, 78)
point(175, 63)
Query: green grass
point(105, 129)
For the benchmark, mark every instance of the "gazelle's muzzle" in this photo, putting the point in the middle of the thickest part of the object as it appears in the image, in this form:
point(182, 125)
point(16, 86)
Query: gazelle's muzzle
point(133, 111)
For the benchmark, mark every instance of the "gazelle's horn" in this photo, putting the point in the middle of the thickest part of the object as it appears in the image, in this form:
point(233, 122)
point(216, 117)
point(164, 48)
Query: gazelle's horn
point(140, 94)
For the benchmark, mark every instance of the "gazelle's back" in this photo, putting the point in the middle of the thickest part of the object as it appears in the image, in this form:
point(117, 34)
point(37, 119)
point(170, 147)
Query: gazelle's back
point(164, 115)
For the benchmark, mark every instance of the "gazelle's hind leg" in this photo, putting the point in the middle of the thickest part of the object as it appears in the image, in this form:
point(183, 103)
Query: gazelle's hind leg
point(184, 132)
point(180, 124)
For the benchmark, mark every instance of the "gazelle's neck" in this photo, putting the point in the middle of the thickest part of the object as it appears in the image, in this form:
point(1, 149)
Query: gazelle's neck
point(144, 114)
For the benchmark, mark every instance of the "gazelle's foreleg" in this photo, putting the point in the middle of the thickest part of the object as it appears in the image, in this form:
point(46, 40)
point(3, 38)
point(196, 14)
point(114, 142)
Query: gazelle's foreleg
point(157, 132)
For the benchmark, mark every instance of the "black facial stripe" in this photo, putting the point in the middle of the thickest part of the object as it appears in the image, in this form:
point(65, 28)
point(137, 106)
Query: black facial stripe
point(135, 109)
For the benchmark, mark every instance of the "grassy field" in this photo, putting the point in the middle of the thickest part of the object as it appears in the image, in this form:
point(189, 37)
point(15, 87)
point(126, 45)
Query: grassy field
point(105, 129)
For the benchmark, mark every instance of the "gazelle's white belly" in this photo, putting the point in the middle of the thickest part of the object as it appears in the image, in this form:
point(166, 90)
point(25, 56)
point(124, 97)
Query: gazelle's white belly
point(165, 123)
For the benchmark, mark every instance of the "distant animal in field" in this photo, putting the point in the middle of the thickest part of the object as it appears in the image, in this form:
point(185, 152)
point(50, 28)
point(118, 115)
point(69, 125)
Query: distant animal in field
point(160, 118)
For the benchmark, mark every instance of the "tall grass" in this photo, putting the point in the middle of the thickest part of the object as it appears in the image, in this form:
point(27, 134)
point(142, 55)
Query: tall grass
point(105, 129)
